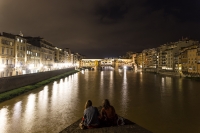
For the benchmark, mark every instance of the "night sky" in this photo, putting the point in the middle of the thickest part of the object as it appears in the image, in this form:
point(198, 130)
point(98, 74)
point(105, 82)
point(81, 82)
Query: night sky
point(103, 28)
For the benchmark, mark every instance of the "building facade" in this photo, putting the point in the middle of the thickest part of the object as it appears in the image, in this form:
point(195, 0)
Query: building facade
point(23, 55)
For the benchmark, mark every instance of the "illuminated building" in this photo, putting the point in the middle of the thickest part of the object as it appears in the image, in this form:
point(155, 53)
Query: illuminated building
point(13, 54)
point(23, 55)
point(46, 52)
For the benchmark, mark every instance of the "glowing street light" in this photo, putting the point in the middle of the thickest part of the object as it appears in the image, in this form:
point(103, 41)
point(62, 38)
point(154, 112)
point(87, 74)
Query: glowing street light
point(31, 66)
point(17, 65)
point(2, 66)
point(41, 65)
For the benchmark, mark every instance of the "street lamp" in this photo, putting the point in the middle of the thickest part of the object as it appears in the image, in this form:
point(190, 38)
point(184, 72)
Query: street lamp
point(2, 66)
point(31, 66)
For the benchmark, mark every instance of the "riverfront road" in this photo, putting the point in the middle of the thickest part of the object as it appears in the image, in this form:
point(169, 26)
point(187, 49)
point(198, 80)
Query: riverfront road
point(159, 103)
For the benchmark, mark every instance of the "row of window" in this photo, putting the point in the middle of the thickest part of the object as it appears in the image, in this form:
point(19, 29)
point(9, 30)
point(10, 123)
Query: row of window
point(6, 61)
point(47, 46)
point(33, 53)
point(3, 41)
point(19, 47)
point(36, 61)
point(20, 55)
point(106, 62)
point(33, 48)
point(6, 51)
point(192, 62)
point(190, 55)
point(21, 40)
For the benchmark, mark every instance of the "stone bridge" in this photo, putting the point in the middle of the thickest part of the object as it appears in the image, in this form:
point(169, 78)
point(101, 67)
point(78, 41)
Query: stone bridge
point(107, 63)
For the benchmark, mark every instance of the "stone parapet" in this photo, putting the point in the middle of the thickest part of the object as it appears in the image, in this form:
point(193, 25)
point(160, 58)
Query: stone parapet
point(129, 127)
point(10, 83)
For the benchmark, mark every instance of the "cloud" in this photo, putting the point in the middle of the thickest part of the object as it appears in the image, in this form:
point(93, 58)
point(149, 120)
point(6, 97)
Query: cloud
point(102, 28)
point(183, 10)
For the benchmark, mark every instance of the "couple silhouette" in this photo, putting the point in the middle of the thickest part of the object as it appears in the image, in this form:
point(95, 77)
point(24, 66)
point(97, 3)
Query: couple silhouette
point(104, 117)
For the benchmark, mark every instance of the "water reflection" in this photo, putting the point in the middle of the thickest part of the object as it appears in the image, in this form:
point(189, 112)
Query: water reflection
point(124, 93)
point(82, 71)
point(141, 77)
point(111, 84)
point(101, 83)
point(86, 76)
point(54, 95)
point(17, 112)
point(4, 119)
point(29, 113)
point(163, 84)
point(168, 81)
point(42, 101)
point(159, 103)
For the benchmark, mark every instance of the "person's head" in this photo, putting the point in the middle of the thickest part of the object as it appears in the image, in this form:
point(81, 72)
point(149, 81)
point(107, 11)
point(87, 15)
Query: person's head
point(88, 104)
point(106, 104)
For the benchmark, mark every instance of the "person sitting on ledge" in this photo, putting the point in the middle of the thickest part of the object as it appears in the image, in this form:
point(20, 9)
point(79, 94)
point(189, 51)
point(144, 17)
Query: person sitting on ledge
point(108, 115)
point(91, 116)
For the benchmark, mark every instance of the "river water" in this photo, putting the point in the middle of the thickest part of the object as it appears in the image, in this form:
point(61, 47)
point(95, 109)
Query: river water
point(161, 104)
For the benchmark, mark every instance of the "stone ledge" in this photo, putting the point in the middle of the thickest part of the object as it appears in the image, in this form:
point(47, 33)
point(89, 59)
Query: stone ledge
point(129, 127)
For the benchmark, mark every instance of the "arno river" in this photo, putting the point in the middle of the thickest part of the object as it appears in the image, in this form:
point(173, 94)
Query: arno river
point(161, 104)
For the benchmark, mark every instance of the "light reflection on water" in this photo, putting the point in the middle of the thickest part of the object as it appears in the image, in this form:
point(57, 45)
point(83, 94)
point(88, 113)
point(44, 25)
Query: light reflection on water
point(3, 119)
point(17, 111)
point(159, 103)
point(124, 93)
point(111, 85)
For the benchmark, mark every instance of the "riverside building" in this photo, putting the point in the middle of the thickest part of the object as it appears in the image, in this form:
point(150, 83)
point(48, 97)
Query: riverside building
point(179, 58)
point(23, 55)
point(13, 54)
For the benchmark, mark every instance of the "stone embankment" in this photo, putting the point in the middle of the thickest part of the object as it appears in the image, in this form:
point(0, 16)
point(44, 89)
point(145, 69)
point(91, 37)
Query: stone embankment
point(128, 127)
point(18, 91)
point(164, 72)
point(170, 73)
point(10, 83)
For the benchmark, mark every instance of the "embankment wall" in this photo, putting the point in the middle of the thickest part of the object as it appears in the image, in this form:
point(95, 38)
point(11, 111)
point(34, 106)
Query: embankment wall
point(164, 72)
point(10, 83)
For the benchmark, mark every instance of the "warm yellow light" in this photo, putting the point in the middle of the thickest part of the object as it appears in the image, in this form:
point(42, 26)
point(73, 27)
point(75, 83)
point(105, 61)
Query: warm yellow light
point(2, 66)
point(31, 66)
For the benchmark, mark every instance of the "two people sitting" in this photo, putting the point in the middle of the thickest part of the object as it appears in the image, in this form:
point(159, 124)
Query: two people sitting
point(93, 119)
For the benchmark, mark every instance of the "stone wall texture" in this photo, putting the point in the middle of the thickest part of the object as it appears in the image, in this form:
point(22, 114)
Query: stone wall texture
point(10, 83)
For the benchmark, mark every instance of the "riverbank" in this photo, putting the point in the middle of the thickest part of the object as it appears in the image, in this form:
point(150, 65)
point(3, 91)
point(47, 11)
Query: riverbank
point(164, 72)
point(16, 92)
point(194, 76)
